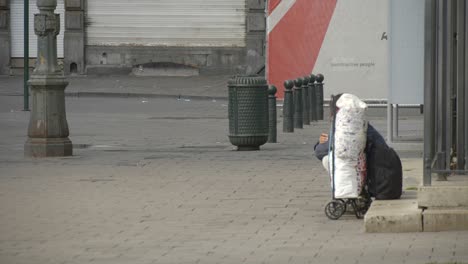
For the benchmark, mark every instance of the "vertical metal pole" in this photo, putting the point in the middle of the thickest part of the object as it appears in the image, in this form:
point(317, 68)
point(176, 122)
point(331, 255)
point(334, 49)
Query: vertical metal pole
point(395, 121)
point(441, 77)
point(460, 57)
point(449, 82)
point(466, 91)
point(26, 56)
point(389, 122)
point(429, 88)
point(453, 94)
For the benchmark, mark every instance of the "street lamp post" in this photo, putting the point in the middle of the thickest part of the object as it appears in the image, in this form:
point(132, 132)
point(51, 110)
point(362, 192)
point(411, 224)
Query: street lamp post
point(48, 128)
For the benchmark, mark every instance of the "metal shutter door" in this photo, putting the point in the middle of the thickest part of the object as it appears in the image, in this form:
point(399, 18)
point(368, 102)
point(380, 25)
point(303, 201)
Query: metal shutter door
point(17, 28)
point(186, 23)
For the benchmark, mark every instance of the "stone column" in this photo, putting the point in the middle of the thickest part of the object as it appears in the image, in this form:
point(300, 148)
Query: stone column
point(255, 37)
point(74, 43)
point(48, 128)
point(4, 36)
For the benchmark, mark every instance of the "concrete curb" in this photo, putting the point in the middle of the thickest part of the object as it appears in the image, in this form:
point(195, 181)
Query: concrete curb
point(394, 216)
point(437, 208)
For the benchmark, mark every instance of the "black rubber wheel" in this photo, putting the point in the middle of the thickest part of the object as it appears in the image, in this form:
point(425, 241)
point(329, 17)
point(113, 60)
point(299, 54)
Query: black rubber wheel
point(335, 209)
point(345, 204)
point(360, 206)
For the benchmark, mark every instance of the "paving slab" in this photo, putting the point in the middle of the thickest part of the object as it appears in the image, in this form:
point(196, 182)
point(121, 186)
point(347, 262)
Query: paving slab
point(156, 181)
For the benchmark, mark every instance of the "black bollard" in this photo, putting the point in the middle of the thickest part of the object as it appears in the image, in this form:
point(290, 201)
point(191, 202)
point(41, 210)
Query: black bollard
point(288, 107)
point(305, 101)
point(272, 114)
point(319, 92)
point(312, 98)
point(297, 92)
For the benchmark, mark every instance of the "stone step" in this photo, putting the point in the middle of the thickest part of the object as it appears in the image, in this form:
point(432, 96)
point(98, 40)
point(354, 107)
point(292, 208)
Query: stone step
point(435, 220)
point(445, 194)
point(406, 214)
point(393, 216)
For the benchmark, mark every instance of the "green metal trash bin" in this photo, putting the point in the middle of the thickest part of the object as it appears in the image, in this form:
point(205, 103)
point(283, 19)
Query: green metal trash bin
point(248, 112)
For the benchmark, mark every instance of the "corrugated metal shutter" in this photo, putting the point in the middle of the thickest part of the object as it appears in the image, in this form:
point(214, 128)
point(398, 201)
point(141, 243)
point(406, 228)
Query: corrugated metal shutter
point(187, 23)
point(17, 28)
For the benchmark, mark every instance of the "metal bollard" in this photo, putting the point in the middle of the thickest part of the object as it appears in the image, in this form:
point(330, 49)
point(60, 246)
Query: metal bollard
point(272, 114)
point(305, 101)
point(288, 107)
point(319, 92)
point(297, 92)
point(312, 98)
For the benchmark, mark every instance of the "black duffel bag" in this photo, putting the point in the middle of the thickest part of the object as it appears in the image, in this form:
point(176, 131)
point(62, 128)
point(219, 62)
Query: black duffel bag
point(384, 172)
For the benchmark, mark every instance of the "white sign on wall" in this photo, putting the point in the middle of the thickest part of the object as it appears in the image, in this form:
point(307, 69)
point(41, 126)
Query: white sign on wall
point(354, 55)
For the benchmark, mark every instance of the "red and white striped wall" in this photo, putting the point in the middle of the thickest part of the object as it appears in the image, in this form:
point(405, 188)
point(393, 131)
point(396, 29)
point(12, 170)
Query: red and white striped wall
point(344, 40)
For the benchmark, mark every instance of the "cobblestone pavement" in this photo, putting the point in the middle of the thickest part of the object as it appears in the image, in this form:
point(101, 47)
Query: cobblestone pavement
point(156, 181)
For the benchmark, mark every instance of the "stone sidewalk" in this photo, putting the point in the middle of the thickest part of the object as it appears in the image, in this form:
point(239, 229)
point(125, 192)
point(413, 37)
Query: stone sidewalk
point(156, 181)
point(200, 87)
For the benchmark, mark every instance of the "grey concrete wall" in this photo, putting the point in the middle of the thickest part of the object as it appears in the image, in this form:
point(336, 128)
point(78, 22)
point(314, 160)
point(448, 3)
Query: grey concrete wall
point(121, 59)
point(74, 39)
point(209, 60)
point(4, 37)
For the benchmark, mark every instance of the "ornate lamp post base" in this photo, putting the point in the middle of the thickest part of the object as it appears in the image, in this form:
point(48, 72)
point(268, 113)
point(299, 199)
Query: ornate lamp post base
point(48, 128)
point(48, 147)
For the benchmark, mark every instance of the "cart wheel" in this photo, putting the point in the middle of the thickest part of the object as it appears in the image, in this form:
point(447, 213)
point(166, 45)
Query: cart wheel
point(361, 206)
point(344, 203)
point(335, 209)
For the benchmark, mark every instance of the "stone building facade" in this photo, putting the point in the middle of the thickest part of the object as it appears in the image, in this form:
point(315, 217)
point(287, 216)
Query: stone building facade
point(144, 37)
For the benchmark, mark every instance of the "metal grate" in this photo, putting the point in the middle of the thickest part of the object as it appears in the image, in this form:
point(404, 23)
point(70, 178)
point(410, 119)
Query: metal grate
point(446, 68)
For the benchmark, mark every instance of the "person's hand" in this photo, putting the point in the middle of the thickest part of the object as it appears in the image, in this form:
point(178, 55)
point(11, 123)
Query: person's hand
point(323, 138)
